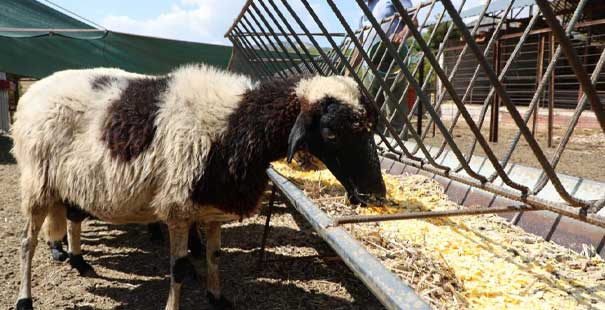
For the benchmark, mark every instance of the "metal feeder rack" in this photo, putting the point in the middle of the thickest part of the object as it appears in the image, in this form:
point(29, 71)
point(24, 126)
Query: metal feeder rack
point(269, 39)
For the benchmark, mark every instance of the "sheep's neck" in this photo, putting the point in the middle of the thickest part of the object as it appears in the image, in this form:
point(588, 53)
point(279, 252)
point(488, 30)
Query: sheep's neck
point(257, 134)
point(265, 118)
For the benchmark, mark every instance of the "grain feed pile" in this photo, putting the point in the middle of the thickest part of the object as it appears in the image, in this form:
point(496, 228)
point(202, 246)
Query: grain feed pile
point(469, 262)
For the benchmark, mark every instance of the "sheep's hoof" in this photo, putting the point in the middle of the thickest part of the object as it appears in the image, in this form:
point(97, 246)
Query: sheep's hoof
point(24, 304)
point(221, 303)
point(78, 262)
point(57, 252)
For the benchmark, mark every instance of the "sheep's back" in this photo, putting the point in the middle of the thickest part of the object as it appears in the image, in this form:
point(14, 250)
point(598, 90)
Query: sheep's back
point(63, 140)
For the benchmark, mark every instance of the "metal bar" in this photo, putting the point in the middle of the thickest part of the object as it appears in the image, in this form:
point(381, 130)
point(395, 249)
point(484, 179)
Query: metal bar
point(10, 29)
point(579, 25)
point(298, 40)
point(465, 114)
point(551, 93)
point(541, 55)
point(440, 53)
point(279, 27)
point(511, 109)
point(276, 70)
point(239, 17)
point(391, 291)
point(495, 111)
point(362, 86)
point(382, 58)
point(355, 219)
point(335, 71)
point(245, 45)
point(260, 44)
point(409, 77)
point(310, 37)
point(548, 75)
point(237, 48)
point(572, 58)
point(531, 200)
point(420, 78)
point(263, 244)
point(572, 125)
point(291, 33)
point(470, 86)
point(346, 46)
point(252, 56)
point(403, 131)
point(279, 42)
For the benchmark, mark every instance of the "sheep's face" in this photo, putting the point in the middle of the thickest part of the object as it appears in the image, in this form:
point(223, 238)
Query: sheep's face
point(339, 133)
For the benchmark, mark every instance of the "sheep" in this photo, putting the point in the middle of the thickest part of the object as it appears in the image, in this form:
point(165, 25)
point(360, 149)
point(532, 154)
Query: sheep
point(189, 146)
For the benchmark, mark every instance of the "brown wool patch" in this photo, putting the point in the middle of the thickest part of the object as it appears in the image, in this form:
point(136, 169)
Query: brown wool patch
point(129, 126)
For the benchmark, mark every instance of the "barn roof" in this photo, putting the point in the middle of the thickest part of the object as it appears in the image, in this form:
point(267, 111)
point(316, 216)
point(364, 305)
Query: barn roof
point(37, 40)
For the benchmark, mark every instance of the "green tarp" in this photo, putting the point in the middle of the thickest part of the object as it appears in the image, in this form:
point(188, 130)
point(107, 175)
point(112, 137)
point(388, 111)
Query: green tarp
point(40, 53)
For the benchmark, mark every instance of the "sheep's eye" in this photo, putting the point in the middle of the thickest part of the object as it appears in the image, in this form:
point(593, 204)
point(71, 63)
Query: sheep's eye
point(328, 134)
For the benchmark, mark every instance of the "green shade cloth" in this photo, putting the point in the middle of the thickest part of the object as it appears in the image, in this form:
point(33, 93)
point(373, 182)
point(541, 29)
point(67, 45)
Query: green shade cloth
point(39, 54)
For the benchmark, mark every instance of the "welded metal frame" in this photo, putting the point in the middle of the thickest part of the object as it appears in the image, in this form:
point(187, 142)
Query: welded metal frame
point(392, 292)
point(276, 22)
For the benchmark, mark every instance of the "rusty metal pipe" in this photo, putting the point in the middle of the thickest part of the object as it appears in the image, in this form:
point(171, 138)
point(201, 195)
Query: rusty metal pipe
point(428, 214)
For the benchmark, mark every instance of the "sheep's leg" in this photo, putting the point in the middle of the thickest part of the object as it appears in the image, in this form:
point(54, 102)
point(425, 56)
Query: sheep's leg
point(180, 266)
point(55, 227)
point(76, 215)
point(213, 250)
point(195, 241)
point(76, 260)
point(28, 246)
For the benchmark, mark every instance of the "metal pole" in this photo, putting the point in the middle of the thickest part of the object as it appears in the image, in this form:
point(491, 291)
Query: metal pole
point(539, 74)
point(551, 92)
point(354, 219)
point(512, 110)
point(495, 116)
point(391, 291)
point(263, 244)
point(572, 58)
point(420, 78)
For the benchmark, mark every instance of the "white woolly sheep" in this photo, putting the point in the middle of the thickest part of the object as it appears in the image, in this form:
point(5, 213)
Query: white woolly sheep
point(190, 146)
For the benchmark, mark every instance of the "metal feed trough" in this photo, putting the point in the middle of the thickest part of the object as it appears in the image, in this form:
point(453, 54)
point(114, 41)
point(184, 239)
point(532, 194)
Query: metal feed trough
point(455, 56)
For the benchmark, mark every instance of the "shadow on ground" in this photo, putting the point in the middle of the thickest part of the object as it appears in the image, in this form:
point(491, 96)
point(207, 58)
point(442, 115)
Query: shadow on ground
point(289, 284)
point(6, 144)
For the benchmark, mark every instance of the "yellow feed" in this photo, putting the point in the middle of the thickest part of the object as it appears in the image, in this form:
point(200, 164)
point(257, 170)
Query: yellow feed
point(499, 265)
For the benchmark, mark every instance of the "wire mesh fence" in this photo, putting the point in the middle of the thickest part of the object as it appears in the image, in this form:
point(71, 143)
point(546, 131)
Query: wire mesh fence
point(445, 75)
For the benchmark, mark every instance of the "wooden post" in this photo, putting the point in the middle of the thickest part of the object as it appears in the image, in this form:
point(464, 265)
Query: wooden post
point(495, 117)
point(539, 76)
point(551, 92)
point(421, 79)
point(586, 56)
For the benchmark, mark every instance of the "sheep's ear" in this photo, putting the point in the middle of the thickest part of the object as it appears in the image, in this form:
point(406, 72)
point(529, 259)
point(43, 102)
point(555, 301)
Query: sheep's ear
point(297, 135)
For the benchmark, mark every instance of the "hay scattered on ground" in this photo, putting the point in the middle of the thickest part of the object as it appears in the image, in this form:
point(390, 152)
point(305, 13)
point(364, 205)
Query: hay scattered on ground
point(473, 262)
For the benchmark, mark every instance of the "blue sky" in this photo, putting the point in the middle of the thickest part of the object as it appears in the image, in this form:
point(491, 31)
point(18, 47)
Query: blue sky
point(191, 20)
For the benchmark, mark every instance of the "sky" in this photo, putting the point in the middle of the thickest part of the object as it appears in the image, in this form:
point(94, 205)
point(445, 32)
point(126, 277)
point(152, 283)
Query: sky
point(189, 20)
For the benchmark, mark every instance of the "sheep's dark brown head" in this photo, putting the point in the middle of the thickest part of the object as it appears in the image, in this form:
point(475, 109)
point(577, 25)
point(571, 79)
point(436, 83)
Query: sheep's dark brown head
point(336, 125)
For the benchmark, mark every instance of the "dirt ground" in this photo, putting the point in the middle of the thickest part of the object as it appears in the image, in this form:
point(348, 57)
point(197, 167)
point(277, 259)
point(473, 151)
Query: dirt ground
point(132, 273)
